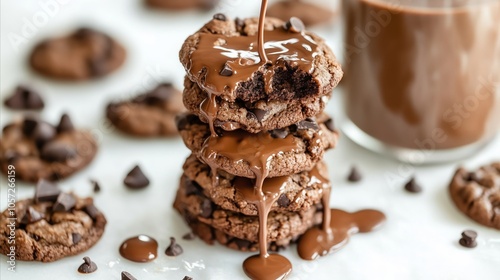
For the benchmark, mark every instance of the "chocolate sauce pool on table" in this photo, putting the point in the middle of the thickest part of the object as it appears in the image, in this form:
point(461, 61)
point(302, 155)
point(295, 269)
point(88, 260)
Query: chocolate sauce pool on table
point(141, 248)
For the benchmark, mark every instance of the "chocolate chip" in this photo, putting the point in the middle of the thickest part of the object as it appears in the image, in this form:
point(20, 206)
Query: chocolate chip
point(226, 71)
point(279, 133)
point(187, 278)
point(135, 179)
point(189, 236)
point(240, 24)
point(29, 125)
point(260, 114)
point(65, 124)
point(88, 266)
point(242, 244)
point(57, 152)
point(220, 16)
point(295, 25)
point(64, 202)
point(76, 237)
point(92, 211)
point(31, 216)
point(206, 208)
point(308, 123)
point(354, 175)
point(24, 98)
point(192, 188)
point(173, 249)
point(330, 125)
point(412, 186)
point(127, 276)
point(46, 191)
point(468, 239)
point(96, 186)
point(43, 133)
point(474, 176)
point(283, 200)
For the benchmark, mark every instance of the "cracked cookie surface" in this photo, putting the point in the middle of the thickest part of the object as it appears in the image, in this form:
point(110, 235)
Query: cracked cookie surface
point(39, 150)
point(477, 194)
point(54, 234)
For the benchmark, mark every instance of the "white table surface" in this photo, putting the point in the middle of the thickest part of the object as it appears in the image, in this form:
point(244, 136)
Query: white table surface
point(419, 241)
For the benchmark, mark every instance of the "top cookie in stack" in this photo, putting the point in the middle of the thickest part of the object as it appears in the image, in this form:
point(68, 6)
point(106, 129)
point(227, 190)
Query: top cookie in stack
point(226, 84)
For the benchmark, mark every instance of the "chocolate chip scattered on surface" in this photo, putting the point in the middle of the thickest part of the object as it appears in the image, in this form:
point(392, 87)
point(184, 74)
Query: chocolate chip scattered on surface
point(413, 186)
point(88, 266)
point(468, 239)
point(173, 249)
point(24, 98)
point(127, 276)
point(136, 179)
point(189, 236)
point(354, 175)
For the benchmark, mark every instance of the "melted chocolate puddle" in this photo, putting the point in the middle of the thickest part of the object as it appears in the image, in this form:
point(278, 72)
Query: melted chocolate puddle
point(141, 248)
point(318, 242)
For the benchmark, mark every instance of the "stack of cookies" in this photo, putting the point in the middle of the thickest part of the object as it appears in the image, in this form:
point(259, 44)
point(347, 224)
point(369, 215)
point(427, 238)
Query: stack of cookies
point(257, 132)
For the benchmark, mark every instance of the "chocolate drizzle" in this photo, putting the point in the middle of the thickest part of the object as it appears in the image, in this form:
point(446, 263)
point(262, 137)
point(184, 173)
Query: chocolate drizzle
point(219, 64)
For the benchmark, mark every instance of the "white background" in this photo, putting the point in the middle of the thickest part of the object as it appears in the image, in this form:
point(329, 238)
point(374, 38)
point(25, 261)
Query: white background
point(419, 241)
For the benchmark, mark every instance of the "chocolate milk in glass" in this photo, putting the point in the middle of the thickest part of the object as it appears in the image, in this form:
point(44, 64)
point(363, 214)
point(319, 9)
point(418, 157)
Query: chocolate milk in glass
point(423, 75)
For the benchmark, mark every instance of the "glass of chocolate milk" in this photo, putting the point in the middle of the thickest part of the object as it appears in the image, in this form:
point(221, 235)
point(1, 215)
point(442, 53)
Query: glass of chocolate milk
point(422, 78)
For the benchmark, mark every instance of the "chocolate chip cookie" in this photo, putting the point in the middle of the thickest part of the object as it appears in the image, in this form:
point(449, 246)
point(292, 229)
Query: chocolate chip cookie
point(183, 4)
point(302, 189)
point(223, 60)
point(148, 115)
point(305, 142)
point(197, 209)
point(51, 226)
point(477, 194)
point(252, 116)
point(82, 55)
point(310, 13)
point(39, 150)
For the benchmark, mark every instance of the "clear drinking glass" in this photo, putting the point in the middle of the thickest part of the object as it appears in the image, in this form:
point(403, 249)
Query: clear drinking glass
point(422, 78)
